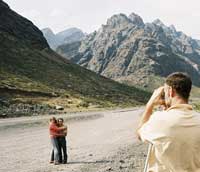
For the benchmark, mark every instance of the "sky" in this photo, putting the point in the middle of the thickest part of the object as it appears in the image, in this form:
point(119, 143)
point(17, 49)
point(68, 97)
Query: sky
point(89, 15)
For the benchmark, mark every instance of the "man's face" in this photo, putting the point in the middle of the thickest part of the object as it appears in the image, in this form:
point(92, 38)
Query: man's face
point(60, 122)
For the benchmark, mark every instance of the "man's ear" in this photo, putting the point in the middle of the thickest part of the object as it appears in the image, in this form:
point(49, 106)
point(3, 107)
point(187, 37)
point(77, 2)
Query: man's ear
point(171, 92)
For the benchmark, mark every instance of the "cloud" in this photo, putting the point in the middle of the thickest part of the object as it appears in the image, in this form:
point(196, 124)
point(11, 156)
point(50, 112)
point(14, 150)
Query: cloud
point(30, 13)
point(88, 15)
point(57, 13)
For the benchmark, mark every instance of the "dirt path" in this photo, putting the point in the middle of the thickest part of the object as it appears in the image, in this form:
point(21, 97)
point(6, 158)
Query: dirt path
point(104, 142)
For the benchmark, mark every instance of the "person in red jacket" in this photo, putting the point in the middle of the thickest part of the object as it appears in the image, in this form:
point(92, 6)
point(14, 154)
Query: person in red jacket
point(54, 133)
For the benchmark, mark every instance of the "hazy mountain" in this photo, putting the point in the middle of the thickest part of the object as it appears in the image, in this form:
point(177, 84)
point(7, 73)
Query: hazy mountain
point(31, 73)
point(50, 37)
point(68, 50)
point(127, 50)
point(67, 36)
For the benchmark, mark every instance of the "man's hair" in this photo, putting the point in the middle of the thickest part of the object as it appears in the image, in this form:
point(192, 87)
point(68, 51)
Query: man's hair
point(181, 83)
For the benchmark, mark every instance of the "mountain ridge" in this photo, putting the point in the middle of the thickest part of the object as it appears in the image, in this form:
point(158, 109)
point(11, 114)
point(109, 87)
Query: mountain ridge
point(128, 50)
point(69, 35)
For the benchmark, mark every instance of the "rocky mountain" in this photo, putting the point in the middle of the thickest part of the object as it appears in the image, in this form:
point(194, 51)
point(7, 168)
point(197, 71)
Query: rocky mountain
point(128, 50)
point(198, 41)
point(32, 75)
point(64, 37)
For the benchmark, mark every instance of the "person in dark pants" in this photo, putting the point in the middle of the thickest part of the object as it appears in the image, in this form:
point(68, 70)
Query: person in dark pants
point(62, 142)
point(54, 131)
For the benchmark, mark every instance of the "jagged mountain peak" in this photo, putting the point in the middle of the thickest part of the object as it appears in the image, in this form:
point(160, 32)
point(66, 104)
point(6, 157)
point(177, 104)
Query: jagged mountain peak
point(168, 29)
point(122, 19)
point(158, 22)
point(172, 27)
point(118, 19)
point(136, 19)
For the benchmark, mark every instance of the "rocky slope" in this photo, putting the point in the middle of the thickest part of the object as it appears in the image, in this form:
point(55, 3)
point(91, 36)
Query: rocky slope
point(128, 50)
point(32, 75)
point(67, 36)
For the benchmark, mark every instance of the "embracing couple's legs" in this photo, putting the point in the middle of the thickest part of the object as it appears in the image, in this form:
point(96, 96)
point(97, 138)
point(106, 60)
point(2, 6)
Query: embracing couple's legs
point(60, 154)
point(58, 132)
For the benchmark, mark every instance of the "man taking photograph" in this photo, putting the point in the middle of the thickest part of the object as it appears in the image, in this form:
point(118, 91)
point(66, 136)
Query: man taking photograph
point(175, 132)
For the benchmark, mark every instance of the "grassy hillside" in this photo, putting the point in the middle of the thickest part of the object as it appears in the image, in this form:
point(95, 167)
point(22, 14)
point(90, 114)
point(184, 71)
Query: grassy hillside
point(32, 76)
point(34, 79)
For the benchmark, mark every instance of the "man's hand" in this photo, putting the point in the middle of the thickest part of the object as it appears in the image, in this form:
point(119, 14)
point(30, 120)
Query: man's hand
point(63, 128)
point(157, 97)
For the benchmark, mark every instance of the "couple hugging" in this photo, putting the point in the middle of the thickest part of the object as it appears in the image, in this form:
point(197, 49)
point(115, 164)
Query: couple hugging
point(58, 132)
